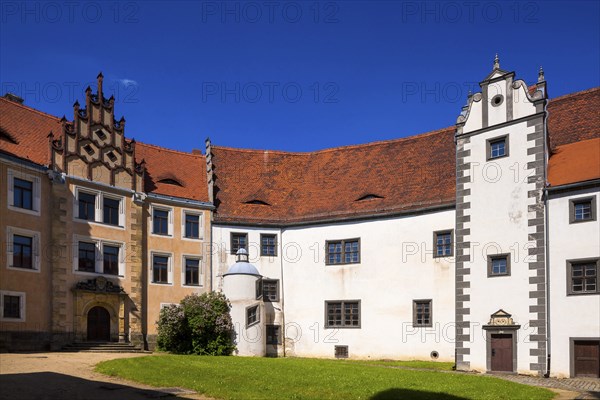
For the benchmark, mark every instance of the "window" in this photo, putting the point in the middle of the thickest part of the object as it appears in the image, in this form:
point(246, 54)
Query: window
point(160, 225)
point(87, 257)
point(342, 251)
point(582, 209)
point(192, 271)
point(252, 316)
point(268, 245)
point(342, 314)
point(270, 289)
point(583, 276)
point(22, 252)
point(273, 334)
point(422, 313)
point(12, 306)
point(110, 256)
point(238, 241)
point(192, 226)
point(341, 351)
point(23, 194)
point(111, 211)
point(23, 249)
point(160, 269)
point(87, 206)
point(442, 243)
point(497, 147)
point(499, 265)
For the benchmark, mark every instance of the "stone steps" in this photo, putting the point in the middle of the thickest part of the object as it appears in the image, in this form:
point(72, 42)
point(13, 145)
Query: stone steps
point(103, 347)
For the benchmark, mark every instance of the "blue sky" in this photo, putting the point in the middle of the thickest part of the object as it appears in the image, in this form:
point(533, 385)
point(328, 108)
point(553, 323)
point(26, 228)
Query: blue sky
point(297, 76)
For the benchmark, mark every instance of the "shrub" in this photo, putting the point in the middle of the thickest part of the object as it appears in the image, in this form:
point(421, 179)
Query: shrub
point(200, 324)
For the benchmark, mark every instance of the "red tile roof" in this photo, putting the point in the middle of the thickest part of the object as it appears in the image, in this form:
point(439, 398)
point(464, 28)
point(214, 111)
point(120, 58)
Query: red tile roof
point(575, 162)
point(30, 128)
point(574, 117)
point(408, 173)
point(185, 172)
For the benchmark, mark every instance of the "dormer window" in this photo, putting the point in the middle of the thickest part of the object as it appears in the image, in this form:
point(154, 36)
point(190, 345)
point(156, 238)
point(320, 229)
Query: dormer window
point(257, 202)
point(170, 181)
point(100, 133)
point(111, 156)
point(369, 196)
point(497, 147)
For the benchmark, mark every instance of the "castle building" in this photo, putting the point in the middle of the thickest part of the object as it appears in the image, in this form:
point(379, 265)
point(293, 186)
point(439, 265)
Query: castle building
point(477, 243)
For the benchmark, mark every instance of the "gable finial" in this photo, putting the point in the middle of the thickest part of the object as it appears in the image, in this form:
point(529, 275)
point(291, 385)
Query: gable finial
point(496, 62)
point(541, 75)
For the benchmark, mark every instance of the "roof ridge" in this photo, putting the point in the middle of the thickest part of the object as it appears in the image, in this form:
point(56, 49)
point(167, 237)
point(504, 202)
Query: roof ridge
point(345, 147)
point(29, 108)
point(186, 153)
point(569, 95)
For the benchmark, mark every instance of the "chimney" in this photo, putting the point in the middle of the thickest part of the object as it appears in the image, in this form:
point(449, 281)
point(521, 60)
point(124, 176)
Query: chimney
point(14, 98)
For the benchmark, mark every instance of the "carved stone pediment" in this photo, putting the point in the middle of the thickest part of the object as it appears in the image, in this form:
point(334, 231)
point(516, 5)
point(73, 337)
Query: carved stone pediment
point(99, 284)
point(501, 317)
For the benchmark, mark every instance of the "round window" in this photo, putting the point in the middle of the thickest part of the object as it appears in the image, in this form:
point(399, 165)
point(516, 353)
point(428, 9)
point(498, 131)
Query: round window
point(434, 355)
point(497, 100)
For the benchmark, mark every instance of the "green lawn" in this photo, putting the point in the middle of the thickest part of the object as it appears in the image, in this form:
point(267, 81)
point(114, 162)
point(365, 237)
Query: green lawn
point(303, 378)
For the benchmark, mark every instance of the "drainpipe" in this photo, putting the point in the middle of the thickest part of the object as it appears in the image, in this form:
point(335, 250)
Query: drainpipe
point(282, 290)
point(210, 250)
point(547, 240)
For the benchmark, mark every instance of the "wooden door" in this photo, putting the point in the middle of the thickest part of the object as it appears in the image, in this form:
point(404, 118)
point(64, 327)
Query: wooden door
point(502, 353)
point(98, 324)
point(586, 358)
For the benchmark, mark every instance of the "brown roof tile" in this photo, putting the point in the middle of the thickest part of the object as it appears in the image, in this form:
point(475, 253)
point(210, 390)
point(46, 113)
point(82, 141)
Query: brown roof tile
point(575, 162)
point(182, 174)
point(574, 117)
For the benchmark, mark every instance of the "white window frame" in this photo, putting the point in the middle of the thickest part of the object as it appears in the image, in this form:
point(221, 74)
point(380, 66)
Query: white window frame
point(22, 302)
point(99, 207)
point(99, 262)
point(36, 188)
point(200, 215)
point(200, 270)
point(35, 244)
point(169, 268)
point(169, 224)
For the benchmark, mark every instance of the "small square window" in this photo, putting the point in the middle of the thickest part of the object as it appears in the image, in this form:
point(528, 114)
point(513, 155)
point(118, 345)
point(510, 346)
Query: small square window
point(499, 265)
point(160, 221)
point(87, 257)
point(238, 241)
point(11, 307)
point(252, 316)
point(422, 313)
point(273, 334)
point(341, 351)
point(582, 209)
point(270, 289)
point(442, 243)
point(342, 314)
point(192, 226)
point(583, 276)
point(160, 269)
point(342, 251)
point(268, 245)
point(87, 206)
point(497, 147)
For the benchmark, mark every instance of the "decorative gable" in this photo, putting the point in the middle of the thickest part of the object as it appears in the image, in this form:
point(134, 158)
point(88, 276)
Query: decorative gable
point(94, 146)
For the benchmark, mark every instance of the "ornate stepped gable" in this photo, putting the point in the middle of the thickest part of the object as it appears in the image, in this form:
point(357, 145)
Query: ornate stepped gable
point(94, 146)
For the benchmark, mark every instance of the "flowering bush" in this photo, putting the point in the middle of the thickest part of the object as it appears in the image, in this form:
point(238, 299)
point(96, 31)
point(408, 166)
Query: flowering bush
point(200, 324)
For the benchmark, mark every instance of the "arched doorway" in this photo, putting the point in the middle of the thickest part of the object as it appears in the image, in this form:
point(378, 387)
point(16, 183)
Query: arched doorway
point(98, 324)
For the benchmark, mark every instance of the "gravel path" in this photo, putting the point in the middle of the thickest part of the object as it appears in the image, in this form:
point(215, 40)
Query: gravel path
point(71, 376)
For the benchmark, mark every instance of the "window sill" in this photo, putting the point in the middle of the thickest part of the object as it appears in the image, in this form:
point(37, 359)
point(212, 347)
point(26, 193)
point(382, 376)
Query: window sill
point(25, 210)
point(341, 327)
point(348, 263)
point(582, 294)
point(580, 221)
point(162, 283)
point(422, 326)
point(443, 256)
point(498, 275)
point(99, 223)
point(188, 285)
point(496, 158)
point(7, 319)
point(23, 269)
point(94, 273)
point(252, 324)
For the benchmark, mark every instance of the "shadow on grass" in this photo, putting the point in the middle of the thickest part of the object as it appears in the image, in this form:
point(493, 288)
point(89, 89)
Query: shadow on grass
point(50, 386)
point(408, 394)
